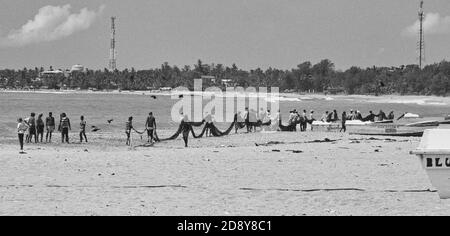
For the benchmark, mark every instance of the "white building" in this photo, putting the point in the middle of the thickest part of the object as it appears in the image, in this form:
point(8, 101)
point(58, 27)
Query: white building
point(77, 68)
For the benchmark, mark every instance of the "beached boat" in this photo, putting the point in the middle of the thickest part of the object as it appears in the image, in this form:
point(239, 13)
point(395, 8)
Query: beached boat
point(362, 123)
point(397, 134)
point(432, 123)
point(434, 154)
point(352, 123)
point(389, 129)
point(326, 126)
point(446, 122)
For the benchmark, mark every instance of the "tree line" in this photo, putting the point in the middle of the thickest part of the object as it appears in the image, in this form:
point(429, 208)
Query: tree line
point(306, 77)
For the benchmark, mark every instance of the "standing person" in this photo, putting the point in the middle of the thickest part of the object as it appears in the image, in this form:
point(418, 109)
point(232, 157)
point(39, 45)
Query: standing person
point(27, 134)
point(253, 120)
point(382, 116)
point(240, 122)
point(65, 127)
point(335, 116)
point(351, 116)
point(209, 122)
point(186, 128)
point(32, 128)
point(150, 125)
point(291, 118)
point(266, 120)
point(344, 121)
point(50, 123)
point(40, 128)
point(325, 117)
point(355, 115)
point(83, 129)
point(128, 128)
point(391, 116)
point(330, 117)
point(304, 121)
point(275, 121)
point(311, 119)
point(370, 117)
point(294, 120)
point(247, 120)
point(22, 127)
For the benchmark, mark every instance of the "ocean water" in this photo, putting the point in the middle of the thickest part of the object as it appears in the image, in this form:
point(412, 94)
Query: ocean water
point(98, 108)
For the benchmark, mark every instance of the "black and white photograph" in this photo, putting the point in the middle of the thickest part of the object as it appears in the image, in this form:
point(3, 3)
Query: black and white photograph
point(224, 108)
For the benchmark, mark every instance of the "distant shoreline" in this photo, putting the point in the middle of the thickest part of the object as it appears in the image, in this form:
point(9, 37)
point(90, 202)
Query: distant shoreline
point(292, 97)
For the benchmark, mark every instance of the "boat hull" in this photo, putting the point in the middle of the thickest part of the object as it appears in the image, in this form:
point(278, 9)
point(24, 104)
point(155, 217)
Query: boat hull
point(434, 155)
point(437, 167)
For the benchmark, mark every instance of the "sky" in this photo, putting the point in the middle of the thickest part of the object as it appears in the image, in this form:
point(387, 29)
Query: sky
point(251, 33)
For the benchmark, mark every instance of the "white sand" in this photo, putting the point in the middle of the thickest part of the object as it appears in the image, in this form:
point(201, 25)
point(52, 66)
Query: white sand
point(237, 178)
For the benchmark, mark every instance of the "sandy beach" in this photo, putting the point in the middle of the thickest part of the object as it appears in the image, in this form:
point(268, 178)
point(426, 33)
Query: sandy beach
point(317, 108)
point(219, 176)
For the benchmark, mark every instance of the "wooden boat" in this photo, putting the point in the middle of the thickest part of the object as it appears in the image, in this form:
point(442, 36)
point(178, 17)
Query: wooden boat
point(399, 134)
point(446, 122)
point(384, 122)
point(381, 128)
point(326, 126)
point(368, 123)
point(434, 154)
point(432, 123)
point(390, 129)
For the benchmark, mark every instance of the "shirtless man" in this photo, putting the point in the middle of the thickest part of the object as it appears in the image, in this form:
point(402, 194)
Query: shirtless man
point(150, 125)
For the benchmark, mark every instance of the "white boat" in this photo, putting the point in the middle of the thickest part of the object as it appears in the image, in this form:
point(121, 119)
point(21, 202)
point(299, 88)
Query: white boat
point(434, 154)
point(321, 123)
point(411, 116)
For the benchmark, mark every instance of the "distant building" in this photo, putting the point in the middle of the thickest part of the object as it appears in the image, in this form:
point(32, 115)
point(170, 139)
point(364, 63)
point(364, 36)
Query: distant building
point(210, 79)
point(227, 82)
point(165, 89)
point(51, 73)
point(77, 68)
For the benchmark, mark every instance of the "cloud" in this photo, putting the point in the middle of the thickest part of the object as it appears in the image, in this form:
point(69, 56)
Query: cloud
point(434, 23)
point(51, 23)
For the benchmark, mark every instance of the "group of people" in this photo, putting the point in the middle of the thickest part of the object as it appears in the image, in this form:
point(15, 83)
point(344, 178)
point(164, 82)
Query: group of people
point(249, 118)
point(253, 119)
point(356, 115)
point(150, 128)
point(304, 119)
point(32, 129)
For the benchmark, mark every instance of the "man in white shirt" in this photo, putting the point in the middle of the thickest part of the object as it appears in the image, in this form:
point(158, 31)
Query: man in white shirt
point(22, 127)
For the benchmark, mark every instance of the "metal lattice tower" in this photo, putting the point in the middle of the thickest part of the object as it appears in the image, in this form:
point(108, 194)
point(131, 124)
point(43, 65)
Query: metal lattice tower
point(421, 42)
point(112, 53)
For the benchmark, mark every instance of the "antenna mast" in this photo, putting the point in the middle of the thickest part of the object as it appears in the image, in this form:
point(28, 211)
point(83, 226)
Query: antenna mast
point(421, 36)
point(112, 53)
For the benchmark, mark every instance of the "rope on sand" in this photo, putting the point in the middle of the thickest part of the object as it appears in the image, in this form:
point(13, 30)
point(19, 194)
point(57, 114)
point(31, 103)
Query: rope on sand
point(338, 190)
point(140, 133)
point(242, 189)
